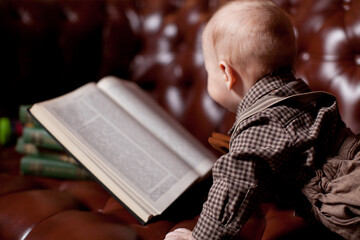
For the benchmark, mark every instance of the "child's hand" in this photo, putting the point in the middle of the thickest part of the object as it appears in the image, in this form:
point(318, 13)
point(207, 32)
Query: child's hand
point(179, 234)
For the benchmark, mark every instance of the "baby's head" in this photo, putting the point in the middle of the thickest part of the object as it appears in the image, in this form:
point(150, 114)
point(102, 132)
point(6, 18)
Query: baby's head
point(246, 39)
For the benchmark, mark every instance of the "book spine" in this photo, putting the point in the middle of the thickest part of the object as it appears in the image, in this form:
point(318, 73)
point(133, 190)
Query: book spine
point(32, 150)
point(36, 166)
point(41, 138)
point(25, 117)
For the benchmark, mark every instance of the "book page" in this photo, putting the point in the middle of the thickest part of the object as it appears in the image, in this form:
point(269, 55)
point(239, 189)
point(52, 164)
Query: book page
point(117, 149)
point(161, 124)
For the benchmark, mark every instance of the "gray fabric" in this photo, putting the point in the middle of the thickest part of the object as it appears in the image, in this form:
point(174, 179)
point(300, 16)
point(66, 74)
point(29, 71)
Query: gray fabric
point(335, 191)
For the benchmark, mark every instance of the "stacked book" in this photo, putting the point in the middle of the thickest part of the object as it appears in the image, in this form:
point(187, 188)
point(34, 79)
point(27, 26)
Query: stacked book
point(43, 155)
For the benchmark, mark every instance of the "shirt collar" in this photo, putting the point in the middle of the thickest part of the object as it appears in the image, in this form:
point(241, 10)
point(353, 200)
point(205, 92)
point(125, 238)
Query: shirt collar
point(267, 85)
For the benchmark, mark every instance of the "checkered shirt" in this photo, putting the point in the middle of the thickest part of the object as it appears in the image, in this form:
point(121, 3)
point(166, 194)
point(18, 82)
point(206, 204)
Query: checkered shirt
point(275, 150)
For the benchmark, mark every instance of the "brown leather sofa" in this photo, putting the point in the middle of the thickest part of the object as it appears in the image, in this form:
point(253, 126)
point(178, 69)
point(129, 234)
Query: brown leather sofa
point(50, 47)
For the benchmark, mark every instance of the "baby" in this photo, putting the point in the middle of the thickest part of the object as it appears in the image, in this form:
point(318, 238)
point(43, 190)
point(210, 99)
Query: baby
point(249, 50)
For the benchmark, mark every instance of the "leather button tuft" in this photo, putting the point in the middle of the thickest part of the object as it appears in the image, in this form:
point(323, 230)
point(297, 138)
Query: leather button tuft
point(346, 5)
point(357, 59)
point(25, 16)
point(305, 56)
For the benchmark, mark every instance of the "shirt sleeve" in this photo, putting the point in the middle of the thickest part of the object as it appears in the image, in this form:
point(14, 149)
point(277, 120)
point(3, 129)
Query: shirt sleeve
point(240, 183)
point(231, 201)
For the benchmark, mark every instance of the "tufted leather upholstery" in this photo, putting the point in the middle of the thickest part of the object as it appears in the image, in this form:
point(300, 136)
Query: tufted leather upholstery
point(50, 47)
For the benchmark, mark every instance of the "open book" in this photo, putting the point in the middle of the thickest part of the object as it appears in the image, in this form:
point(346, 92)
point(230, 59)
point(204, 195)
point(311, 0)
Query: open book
point(144, 157)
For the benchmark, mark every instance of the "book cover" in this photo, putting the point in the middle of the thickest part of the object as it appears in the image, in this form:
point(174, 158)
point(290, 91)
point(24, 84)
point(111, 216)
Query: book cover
point(33, 150)
point(40, 166)
point(41, 138)
point(25, 117)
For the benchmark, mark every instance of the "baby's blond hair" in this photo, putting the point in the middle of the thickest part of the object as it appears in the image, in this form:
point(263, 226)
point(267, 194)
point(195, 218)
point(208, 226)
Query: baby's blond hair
point(255, 36)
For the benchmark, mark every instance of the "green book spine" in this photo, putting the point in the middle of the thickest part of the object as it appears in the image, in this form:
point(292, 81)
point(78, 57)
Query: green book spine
point(31, 165)
point(33, 150)
point(25, 118)
point(40, 138)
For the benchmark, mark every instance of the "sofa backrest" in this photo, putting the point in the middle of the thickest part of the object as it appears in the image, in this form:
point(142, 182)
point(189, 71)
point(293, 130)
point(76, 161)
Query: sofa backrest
point(50, 47)
point(329, 50)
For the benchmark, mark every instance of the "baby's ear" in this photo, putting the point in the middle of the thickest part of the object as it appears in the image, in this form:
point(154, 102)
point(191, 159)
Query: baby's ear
point(228, 74)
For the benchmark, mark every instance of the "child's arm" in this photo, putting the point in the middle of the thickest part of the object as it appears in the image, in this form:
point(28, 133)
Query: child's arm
point(241, 180)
